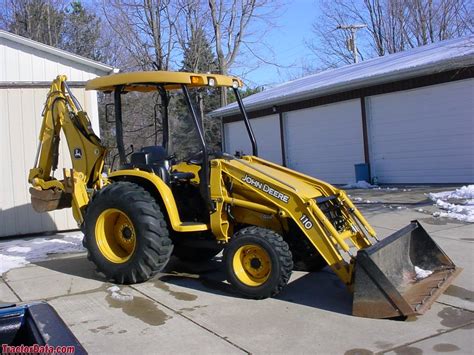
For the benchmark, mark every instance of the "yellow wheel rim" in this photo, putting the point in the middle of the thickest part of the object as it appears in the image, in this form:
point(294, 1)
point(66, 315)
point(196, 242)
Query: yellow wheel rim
point(115, 235)
point(252, 265)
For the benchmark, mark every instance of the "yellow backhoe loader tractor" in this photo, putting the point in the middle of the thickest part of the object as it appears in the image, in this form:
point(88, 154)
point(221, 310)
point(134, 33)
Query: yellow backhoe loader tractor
point(265, 217)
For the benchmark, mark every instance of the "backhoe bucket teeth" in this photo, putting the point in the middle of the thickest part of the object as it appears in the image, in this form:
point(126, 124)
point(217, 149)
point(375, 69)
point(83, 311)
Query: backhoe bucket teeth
point(401, 275)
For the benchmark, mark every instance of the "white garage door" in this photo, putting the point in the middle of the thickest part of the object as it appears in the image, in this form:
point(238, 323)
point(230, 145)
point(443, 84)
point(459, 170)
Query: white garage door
point(423, 135)
point(326, 141)
point(267, 133)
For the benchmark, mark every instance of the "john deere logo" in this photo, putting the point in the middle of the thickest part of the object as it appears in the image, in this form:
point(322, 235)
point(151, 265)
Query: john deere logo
point(77, 153)
point(265, 188)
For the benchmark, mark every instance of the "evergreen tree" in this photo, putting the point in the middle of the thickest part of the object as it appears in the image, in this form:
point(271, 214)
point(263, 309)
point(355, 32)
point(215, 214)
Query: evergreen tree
point(244, 93)
point(70, 27)
point(39, 20)
point(81, 31)
point(198, 57)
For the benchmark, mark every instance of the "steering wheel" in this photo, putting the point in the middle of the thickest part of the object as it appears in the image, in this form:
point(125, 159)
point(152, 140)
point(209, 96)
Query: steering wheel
point(194, 158)
point(172, 159)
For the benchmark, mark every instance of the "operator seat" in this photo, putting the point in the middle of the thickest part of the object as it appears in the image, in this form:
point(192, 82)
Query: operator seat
point(155, 158)
point(152, 158)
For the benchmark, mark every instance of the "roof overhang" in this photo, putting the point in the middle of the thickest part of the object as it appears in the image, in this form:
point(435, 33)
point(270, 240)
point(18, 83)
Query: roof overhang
point(421, 61)
point(104, 68)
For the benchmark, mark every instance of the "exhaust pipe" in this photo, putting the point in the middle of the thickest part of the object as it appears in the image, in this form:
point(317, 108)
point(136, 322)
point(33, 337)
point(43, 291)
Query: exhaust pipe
point(402, 275)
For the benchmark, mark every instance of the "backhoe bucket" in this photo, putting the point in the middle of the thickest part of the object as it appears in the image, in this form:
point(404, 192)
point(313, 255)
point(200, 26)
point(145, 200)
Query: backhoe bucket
point(401, 275)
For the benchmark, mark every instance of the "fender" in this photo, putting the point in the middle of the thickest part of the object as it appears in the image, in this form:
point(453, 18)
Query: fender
point(145, 179)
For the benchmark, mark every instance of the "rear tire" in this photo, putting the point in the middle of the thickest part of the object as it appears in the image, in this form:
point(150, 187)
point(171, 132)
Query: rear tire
point(126, 235)
point(258, 262)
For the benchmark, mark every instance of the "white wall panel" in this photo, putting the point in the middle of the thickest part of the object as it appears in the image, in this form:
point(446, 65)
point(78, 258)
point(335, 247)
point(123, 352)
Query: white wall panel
point(326, 141)
point(21, 63)
point(20, 122)
point(267, 133)
point(423, 135)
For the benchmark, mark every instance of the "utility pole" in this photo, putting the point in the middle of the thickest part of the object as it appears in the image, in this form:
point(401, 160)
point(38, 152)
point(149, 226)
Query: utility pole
point(351, 43)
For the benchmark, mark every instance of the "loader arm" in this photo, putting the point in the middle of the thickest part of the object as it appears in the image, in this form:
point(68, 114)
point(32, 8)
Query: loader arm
point(286, 194)
point(381, 274)
point(63, 112)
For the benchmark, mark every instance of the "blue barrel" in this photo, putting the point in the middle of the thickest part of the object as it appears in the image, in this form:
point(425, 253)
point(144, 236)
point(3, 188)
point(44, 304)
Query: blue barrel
point(362, 172)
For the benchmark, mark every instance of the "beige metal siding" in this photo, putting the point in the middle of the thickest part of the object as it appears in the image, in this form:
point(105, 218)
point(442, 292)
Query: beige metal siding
point(20, 123)
point(21, 63)
point(22, 67)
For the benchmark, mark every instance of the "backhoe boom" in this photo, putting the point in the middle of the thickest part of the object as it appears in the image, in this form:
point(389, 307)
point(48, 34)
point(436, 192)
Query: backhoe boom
point(63, 112)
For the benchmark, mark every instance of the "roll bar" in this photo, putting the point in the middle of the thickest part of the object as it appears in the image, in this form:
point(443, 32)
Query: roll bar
point(197, 120)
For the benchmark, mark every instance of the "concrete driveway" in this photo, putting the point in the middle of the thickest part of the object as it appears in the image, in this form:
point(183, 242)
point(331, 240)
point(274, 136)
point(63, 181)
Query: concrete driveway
point(191, 308)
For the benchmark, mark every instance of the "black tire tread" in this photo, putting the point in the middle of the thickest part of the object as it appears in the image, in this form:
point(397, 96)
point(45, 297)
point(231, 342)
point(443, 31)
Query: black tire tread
point(283, 252)
point(156, 246)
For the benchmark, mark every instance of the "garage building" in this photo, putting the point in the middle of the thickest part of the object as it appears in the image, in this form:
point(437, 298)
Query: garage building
point(409, 115)
point(26, 71)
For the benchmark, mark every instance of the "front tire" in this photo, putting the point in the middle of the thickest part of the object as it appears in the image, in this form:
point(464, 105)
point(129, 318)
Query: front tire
point(258, 262)
point(126, 235)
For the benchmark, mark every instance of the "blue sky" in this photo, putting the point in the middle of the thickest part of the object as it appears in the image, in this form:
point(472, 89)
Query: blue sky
point(288, 43)
point(293, 23)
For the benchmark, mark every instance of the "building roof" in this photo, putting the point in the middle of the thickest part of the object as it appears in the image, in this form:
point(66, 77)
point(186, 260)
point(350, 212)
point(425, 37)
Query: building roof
point(58, 52)
point(420, 61)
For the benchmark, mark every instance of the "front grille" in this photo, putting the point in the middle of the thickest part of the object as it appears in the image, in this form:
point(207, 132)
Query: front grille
point(331, 208)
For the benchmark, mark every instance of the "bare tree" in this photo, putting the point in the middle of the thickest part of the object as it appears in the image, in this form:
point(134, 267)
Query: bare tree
point(192, 30)
point(180, 34)
point(231, 20)
point(40, 20)
point(145, 28)
point(392, 26)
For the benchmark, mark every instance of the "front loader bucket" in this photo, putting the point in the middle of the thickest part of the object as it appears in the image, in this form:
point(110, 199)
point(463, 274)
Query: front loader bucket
point(401, 275)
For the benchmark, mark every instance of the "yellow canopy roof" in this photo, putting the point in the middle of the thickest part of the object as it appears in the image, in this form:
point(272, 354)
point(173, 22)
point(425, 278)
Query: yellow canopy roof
point(148, 80)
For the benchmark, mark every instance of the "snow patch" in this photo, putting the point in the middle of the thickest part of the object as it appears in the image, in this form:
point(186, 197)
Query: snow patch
point(113, 288)
point(8, 262)
point(370, 201)
point(465, 192)
point(359, 185)
point(118, 295)
point(121, 297)
point(457, 204)
point(20, 252)
point(422, 274)
point(19, 249)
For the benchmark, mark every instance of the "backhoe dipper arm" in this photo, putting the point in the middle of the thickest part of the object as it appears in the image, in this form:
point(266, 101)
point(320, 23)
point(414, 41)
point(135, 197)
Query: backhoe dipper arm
point(63, 111)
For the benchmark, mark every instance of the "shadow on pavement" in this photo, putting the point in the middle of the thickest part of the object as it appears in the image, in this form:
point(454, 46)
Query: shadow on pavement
point(321, 290)
point(77, 266)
